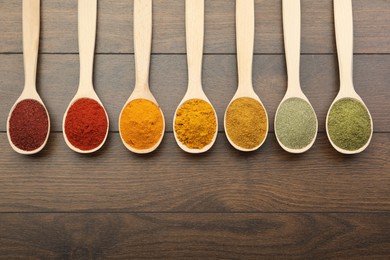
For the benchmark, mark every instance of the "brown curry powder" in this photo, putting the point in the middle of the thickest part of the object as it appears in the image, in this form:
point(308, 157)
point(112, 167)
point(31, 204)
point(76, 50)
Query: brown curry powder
point(195, 123)
point(246, 122)
point(141, 124)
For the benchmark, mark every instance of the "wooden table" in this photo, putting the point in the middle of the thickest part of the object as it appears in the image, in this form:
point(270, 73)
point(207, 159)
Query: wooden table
point(222, 204)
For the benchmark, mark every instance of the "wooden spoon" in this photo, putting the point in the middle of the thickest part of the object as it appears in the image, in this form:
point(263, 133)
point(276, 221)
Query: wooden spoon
point(344, 40)
point(292, 42)
point(87, 12)
point(245, 31)
point(142, 48)
point(194, 41)
point(31, 19)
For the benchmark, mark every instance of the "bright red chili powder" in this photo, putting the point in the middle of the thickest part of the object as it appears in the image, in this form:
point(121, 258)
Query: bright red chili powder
point(86, 124)
point(28, 125)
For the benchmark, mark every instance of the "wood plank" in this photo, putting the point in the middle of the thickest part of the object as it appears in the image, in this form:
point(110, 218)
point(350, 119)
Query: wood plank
point(59, 26)
point(200, 236)
point(114, 81)
point(169, 180)
point(222, 204)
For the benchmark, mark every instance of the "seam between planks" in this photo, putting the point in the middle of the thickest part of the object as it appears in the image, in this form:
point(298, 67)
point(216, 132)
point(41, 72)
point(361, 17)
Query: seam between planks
point(200, 212)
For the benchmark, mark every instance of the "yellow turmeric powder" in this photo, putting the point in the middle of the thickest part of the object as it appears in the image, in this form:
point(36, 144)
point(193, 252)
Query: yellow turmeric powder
point(195, 123)
point(141, 124)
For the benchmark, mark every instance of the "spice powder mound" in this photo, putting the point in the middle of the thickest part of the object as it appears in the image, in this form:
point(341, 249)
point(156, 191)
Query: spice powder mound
point(86, 124)
point(141, 124)
point(295, 123)
point(349, 124)
point(28, 125)
point(195, 123)
point(246, 122)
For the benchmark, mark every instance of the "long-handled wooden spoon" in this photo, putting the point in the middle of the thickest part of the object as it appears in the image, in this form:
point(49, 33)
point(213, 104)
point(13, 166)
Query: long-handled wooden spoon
point(344, 40)
point(194, 41)
point(245, 30)
point(87, 14)
point(31, 19)
point(142, 48)
point(300, 129)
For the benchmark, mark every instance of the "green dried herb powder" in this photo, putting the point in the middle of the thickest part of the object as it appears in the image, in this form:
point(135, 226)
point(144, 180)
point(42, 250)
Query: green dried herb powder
point(295, 123)
point(349, 124)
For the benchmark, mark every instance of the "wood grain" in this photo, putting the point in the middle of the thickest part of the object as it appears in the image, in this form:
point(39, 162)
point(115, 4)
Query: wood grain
point(222, 180)
point(223, 204)
point(114, 80)
point(201, 236)
point(59, 26)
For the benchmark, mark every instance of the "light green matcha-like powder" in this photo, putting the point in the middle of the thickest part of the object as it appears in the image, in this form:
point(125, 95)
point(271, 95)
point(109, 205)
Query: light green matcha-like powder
point(295, 123)
point(349, 124)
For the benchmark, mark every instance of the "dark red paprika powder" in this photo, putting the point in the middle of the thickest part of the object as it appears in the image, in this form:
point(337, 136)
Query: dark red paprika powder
point(86, 124)
point(28, 125)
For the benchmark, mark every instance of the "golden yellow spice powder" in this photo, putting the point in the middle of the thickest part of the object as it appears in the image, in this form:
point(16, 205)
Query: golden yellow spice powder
point(246, 122)
point(195, 123)
point(141, 124)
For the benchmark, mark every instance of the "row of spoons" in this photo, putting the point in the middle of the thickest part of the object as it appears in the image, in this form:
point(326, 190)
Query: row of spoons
point(87, 11)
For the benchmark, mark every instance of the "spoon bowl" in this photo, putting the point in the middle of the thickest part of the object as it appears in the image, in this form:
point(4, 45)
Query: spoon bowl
point(149, 97)
point(31, 28)
point(190, 95)
point(298, 96)
point(25, 97)
point(254, 96)
point(343, 20)
point(80, 95)
point(352, 95)
point(142, 49)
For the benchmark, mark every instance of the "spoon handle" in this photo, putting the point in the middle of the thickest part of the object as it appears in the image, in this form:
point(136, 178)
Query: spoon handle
point(31, 19)
point(87, 10)
point(245, 31)
point(194, 41)
point(344, 40)
point(142, 41)
point(292, 39)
